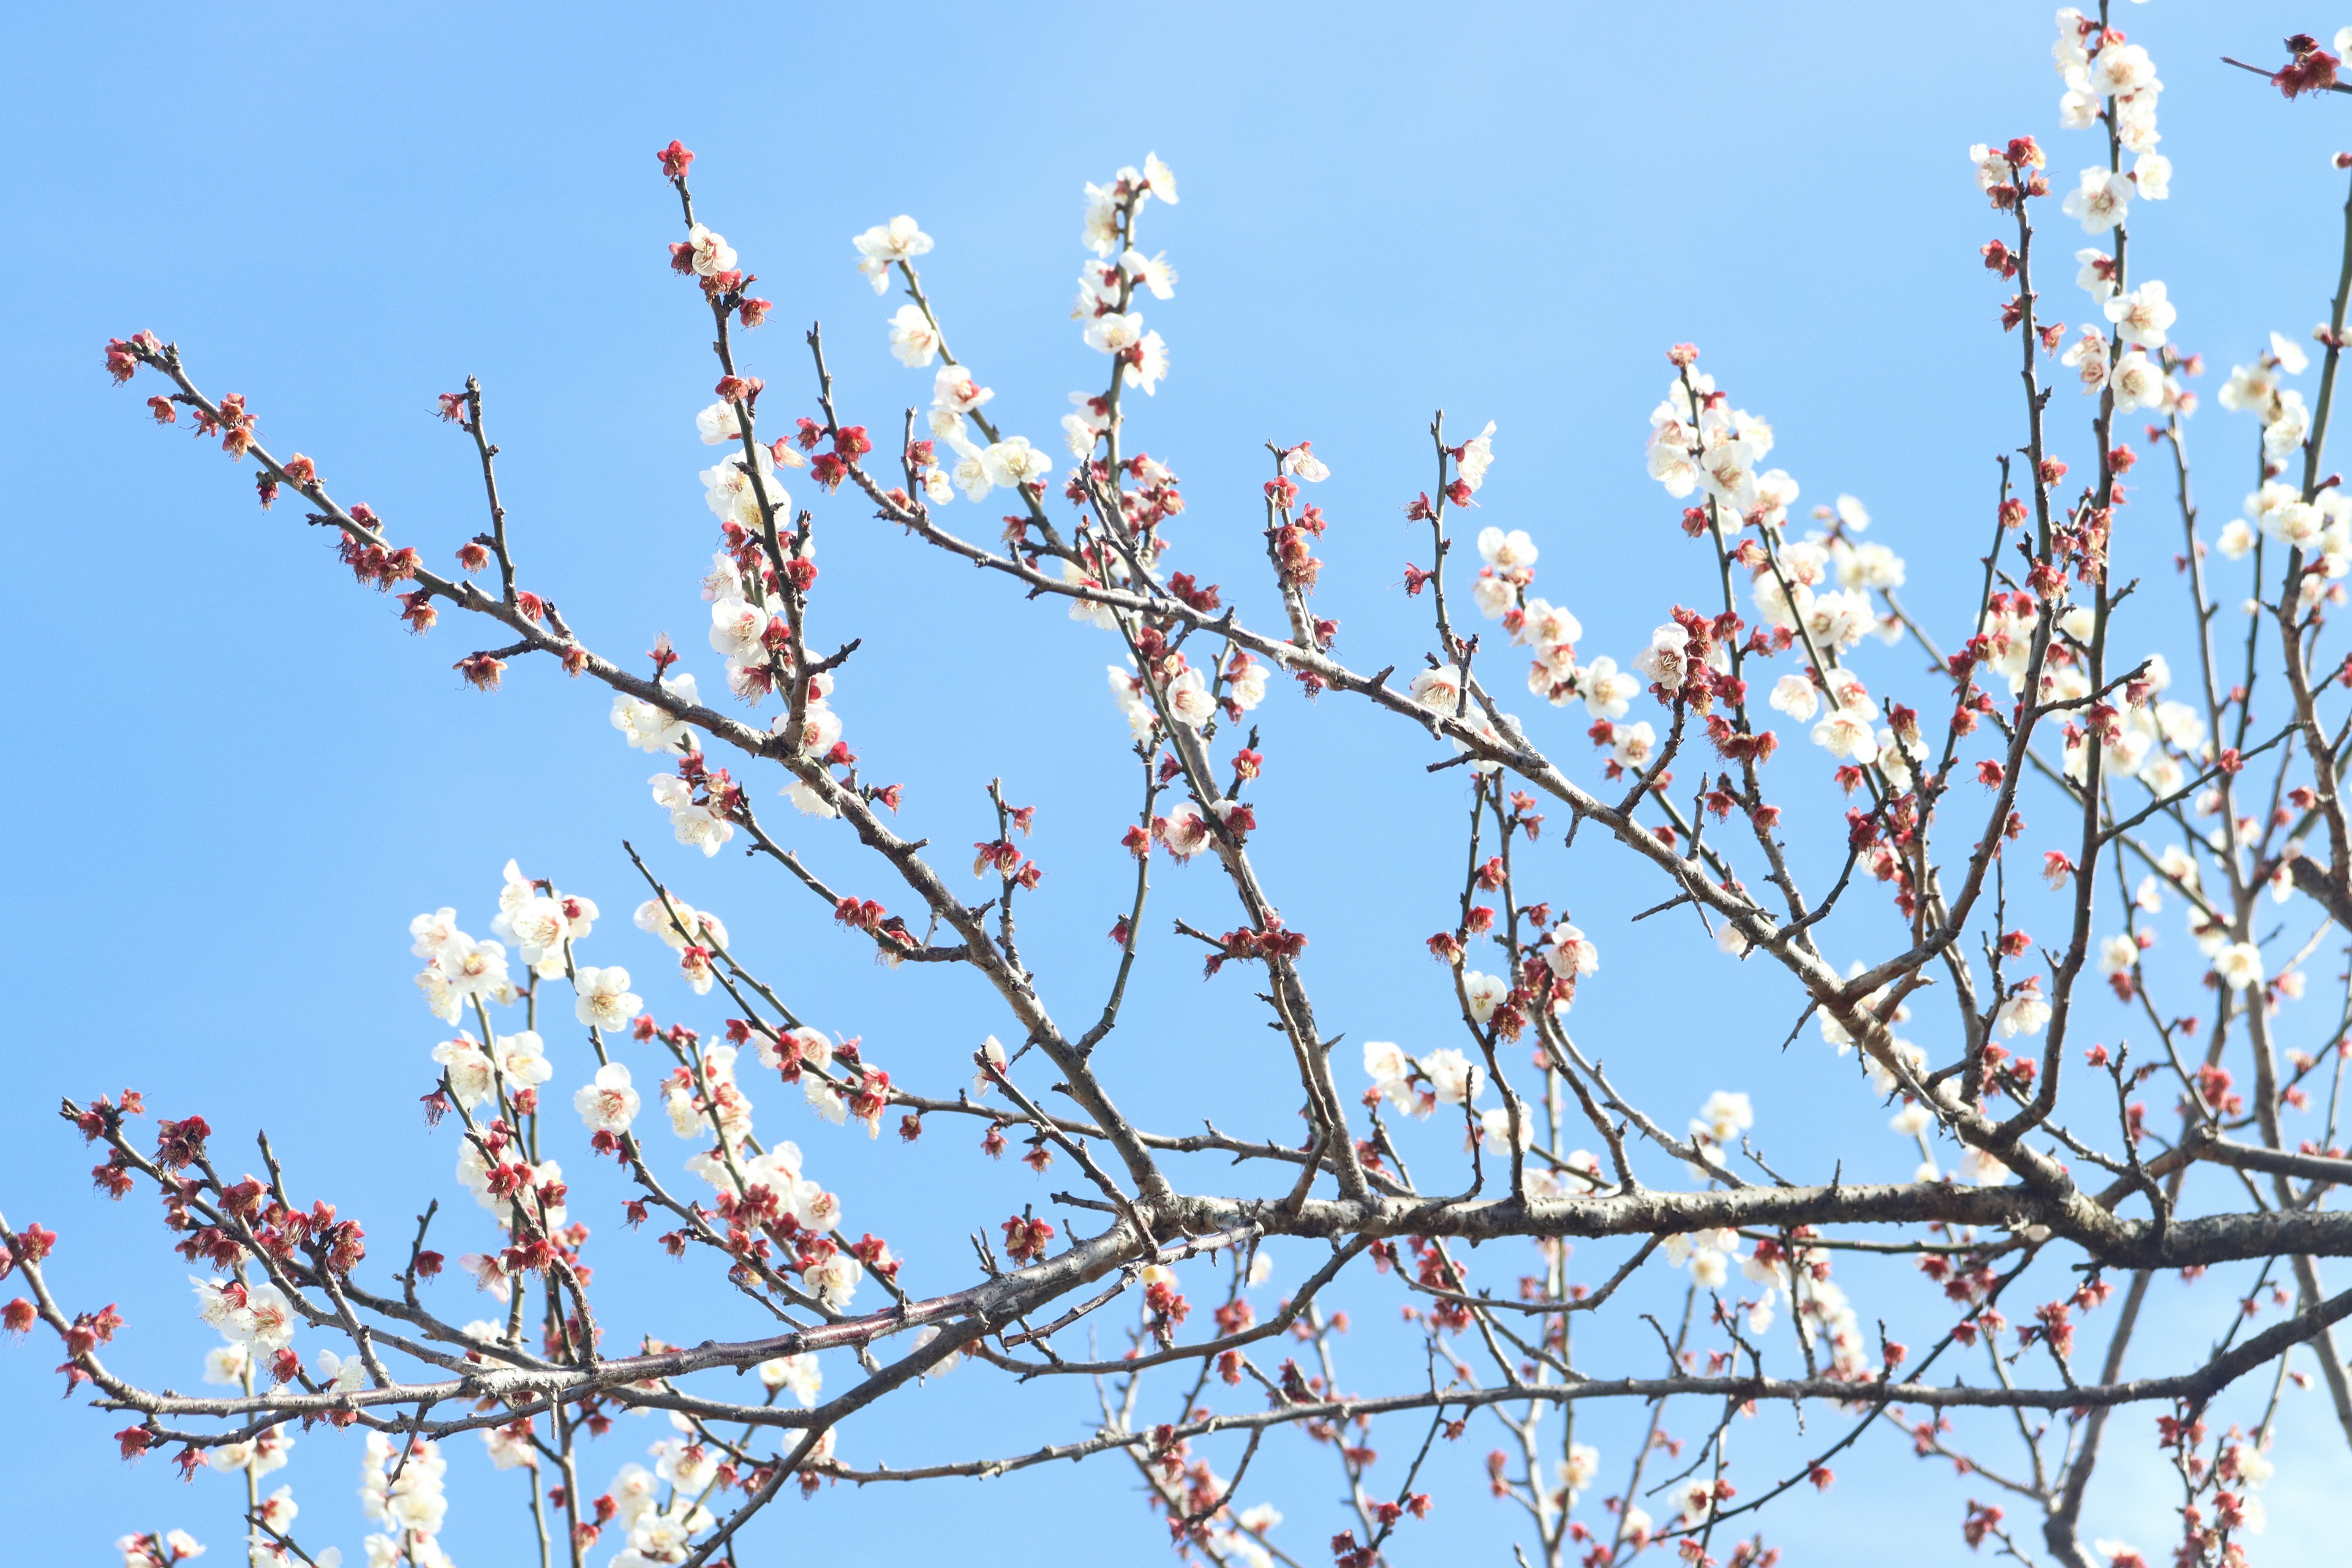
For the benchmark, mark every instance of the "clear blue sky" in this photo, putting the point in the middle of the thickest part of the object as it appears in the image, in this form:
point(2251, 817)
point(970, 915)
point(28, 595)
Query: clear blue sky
point(236, 780)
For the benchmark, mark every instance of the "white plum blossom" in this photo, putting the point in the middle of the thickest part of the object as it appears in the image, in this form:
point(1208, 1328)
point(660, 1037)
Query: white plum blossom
point(605, 1000)
point(2100, 202)
point(648, 728)
point(1485, 993)
point(2024, 1012)
point(710, 252)
point(914, 342)
point(695, 825)
point(2141, 315)
point(608, 1104)
point(1438, 690)
point(2239, 965)
point(884, 243)
point(799, 1373)
point(1797, 697)
point(2137, 382)
point(1453, 1077)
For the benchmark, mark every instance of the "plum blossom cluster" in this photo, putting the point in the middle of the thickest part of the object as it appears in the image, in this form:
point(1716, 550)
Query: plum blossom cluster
point(1998, 993)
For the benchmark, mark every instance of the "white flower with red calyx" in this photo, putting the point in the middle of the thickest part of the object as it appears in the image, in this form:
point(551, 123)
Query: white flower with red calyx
point(1158, 180)
point(2141, 315)
point(2138, 382)
point(1302, 462)
point(723, 581)
point(265, 1323)
point(523, 1059)
point(1608, 692)
point(820, 726)
point(1126, 691)
point(728, 492)
point(2239, 965)
point(955, 393)
point(1570, 953)
point(2120, 69)
point(835, 1280)
point(1847, 735)
point(972, 472)
point(1014, 462)
point(2024, 1012)
point(650, 727)
point(2135, 118)
point(608, 1104)
point(1495, 1127)
point(1188, 700)
point(1146, 364)
point(1546, 625)
point(2117, 953)
point(1633, 745)
point(801, 1048)
point(507, 1450)
point(697, 827)
point(1101, 232)
point(2286, 353)
point(718, 425)
point(2078, 106)
point(2152, 174)
point(605, 1000)
point(1474, 458)
point(1099, 287)
point(738, 629)
point(445, 1004)
point(1728, 471)
point(1184, 830)
point(1150, 272)
point(1665, 662)
point(2097, 274)
point(2295, 522)
point(1245, 681)
point(2086, 356)
point(1577, 1472)
point(473, 969)
point(1776, 492)
point(663, 920)
point(914, 342)
point(1725, 1116)
point(1507, 551)
point(2284, 423)
point(1438, 690)
point(1496, 595)
point(1991, 166)
point(1837, 619)
point(224, 1366)
point(1115, 332)
point(467, 1069)
point(1453, 1077)
point(990, 1055)
point(800, 1374)
point(1485, 993)
point(432, 932)
point(341, 1374)
point(1797, 697)
point(1390, 1071)
point(710, 253)
point(540, 924)
point(884, 243)
point(1670, 464)
point(2100, 202)
point(810, 800)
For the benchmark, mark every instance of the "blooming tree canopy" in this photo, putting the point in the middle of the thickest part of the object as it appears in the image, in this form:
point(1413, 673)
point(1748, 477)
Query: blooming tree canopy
point(1791, 760)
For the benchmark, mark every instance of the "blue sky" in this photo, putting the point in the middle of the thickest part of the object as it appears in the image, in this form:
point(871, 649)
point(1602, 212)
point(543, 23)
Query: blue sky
point(244, 779)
